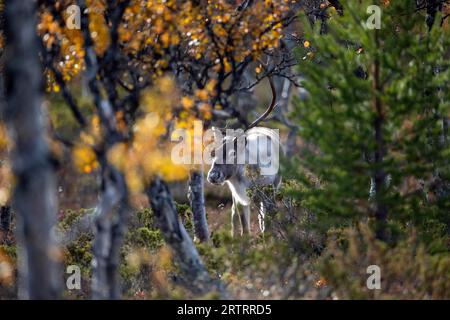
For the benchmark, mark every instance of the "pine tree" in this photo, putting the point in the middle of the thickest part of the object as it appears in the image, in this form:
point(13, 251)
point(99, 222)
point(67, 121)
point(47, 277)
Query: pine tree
point(376, 122)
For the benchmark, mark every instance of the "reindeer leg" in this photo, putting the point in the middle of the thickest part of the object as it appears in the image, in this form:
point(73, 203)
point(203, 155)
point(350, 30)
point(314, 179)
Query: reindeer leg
point(245, 219)
point(261, 215)
point(234, 214)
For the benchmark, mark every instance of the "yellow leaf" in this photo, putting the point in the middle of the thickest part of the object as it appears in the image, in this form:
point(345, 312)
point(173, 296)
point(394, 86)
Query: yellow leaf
point(227, 65)
point(84, 158)
point(187, 102)
point(211, 86)
point(202, 94)
point(165, 39)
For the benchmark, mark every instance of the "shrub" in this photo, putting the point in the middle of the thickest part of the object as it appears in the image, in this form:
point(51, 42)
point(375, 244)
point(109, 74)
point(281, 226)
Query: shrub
point(408, 269)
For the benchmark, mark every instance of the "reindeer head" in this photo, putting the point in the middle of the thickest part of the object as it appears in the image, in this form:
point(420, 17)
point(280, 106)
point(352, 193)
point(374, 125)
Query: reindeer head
point(230, 148)
point(224, 163)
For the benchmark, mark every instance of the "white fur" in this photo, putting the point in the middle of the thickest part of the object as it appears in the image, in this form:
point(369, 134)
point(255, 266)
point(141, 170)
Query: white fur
point(239, 182)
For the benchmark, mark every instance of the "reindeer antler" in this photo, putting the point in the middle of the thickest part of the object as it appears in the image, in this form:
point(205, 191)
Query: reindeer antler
point(269, 109)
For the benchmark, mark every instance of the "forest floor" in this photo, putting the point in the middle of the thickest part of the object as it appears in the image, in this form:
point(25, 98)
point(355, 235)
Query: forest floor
point(289, 261)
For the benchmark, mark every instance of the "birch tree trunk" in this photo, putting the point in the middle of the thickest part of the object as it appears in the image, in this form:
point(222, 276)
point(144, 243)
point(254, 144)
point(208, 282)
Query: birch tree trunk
point(196, 196)
point(34, 195)
point(109, 220)
point(5, 222)
point(109, 232)
point(178, 239)
point(284, 91)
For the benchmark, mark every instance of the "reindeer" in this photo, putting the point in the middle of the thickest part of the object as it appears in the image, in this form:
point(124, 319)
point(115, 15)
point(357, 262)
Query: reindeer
point(259, 148)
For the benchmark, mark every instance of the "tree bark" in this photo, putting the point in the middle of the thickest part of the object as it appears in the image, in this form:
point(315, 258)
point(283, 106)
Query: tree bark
point(196, 198)
point(284, 89)
point(109, 232)
point(178, 239)
point(109, 221)
point(34, 194)
point(5, 222)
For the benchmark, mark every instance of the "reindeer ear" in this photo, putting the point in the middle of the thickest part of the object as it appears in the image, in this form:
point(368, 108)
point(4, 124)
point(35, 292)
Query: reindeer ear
point(217, 133)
